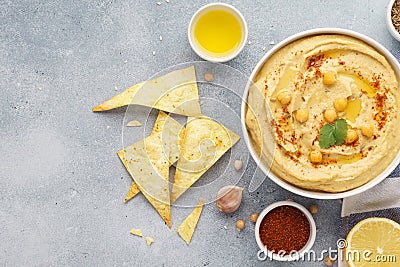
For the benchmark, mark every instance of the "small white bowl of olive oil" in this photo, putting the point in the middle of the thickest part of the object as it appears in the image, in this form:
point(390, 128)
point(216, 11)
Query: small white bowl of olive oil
point(217, 32)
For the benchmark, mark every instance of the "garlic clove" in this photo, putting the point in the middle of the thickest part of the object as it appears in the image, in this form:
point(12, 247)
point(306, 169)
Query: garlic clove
point(229, 198)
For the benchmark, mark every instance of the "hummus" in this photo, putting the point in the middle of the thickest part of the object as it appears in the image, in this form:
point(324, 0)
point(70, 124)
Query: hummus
point(287, 108)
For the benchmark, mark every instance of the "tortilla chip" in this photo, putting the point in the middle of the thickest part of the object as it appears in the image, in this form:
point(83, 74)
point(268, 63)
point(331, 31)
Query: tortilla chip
point(203, 143)
point(137, 232)
point(134, 124)
point(174, 92)
point(173, 151)
point(187, 227)
point(133, 191)
point(149, 240)
point(148, 161)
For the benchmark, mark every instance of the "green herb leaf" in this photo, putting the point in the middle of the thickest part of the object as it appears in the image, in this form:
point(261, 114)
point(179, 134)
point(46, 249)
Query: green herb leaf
point(326, 137)
point(340, 132)
point(333, 134)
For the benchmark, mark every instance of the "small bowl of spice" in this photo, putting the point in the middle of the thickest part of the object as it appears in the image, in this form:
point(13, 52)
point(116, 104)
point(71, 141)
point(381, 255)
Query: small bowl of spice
point(285, 230)
point(393, 18)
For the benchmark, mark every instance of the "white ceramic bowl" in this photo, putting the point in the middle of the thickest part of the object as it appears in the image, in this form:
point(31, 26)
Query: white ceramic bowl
point(210, 7)
point(389, 23)
point(300, 191)
point(299, 254)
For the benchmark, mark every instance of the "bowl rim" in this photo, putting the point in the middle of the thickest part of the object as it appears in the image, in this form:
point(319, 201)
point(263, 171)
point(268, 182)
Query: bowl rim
point(389, 22)
point(232, 10)
point(311, 239)
point(292, 188)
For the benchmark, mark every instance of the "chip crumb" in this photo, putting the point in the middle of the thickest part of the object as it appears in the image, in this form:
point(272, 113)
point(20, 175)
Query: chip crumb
point(125, 61)
point(137, 232)
point(149, 240)
point(264, 48)
point(40, 88)
point(328, 261)
point(154, 53)
point(134, 123)
point(108, 127)
point(167, 1)
point(115, 88)
point(161, 38)
point(272, 42)
point(209, 77)
point(225, 227)
point(249, 42)
point(158, 3)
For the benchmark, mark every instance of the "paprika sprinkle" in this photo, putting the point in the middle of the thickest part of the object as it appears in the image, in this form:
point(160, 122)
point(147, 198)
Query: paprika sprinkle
point(285, 228)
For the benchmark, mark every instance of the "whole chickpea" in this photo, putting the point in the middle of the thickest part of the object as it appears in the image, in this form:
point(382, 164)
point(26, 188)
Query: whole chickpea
point(254, 217)
point(367, 130)
point(329, 78)
point(340, 104)
point(351, 137)
point(284, 97)
point(240, 225)
point(330, 115)
point(315, 156)
point(302, 115)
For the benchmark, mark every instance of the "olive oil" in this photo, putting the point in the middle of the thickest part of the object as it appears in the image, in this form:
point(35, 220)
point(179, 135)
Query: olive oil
point(343, 159)
point(353, 109)
point(218, 33)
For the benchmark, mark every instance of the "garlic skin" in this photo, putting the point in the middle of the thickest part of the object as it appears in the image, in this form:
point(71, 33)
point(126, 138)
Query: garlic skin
point(229, 198)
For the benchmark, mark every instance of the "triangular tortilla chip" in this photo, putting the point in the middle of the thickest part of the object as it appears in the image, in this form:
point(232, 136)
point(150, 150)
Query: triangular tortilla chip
point(133, 190)
point(187, 227)
point(148, 163)
point(175, 92)
point(204, 142)
point(173, 151)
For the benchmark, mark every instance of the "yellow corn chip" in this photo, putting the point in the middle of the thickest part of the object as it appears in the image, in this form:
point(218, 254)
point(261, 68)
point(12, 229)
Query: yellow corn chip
point(148, 161)
point(174, 92)
point(187, 227)
point(149, 240)
point(134, 190)
point(137, 232)
point(134, 124)
point(203, 143)
point(173, 151)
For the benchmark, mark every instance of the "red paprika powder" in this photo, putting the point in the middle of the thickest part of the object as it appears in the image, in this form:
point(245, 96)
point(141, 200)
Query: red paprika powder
point(285, 228)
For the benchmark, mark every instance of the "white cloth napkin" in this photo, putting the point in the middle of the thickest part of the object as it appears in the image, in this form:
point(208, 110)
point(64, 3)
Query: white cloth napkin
point(383, 200)
point(385, 195)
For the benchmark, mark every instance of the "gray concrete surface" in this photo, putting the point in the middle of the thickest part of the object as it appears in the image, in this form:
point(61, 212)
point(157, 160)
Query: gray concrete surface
point(61, 184)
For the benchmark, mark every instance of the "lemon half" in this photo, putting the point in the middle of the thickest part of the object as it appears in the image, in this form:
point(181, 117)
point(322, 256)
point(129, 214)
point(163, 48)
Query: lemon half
point(374, 242)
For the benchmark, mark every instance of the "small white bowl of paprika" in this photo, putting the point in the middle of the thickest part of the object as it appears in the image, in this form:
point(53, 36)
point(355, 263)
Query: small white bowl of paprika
point(285, 231)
